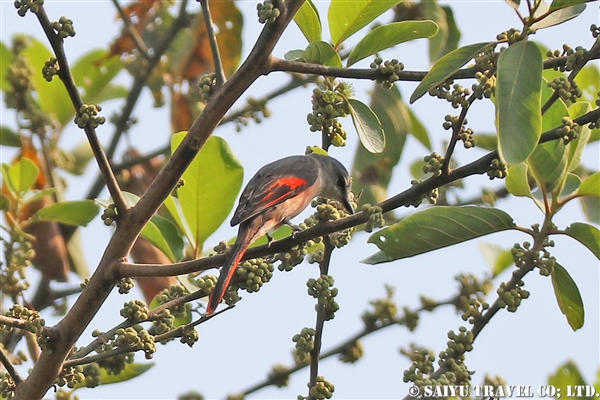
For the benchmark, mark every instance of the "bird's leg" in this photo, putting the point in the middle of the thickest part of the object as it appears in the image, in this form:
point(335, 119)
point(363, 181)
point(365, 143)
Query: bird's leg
point(295, 228)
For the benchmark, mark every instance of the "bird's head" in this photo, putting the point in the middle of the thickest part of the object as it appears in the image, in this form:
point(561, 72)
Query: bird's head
point(336, 181)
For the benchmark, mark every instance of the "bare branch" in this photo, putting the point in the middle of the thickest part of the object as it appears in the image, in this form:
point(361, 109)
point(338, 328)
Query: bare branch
point(214, 47)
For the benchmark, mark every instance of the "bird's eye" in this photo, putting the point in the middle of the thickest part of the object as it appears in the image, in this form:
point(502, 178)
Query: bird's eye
point(341, 182)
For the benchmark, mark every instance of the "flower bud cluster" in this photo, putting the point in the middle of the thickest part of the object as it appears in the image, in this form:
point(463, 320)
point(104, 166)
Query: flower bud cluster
point(497, 169)
point(206, 85)
point(109, 215)
point(137, 338)
point(294, 257)
point(70, 376)
point(267, 12)
point(63, 27)
point(280, 375)
point(511, 299)
point(352, 352)
point(574, 56)
point(329, 104)
point(125, 285)
point(569, 131)
point(458, 97)
point(323, 389)
point(389, 69)
point(433, 164)
point(566, 89)
point(384, 310)
point(526, 257)
point(34, 323)
point(511, 36)
point(376, 219)
point(304, 344)
point(256, 110)
point(134, 311)
point(18, 255)
point(50, 69)
point(88, 116)
point(322, 289)
point(189, 336)
point(252, 274)
point(23, 6)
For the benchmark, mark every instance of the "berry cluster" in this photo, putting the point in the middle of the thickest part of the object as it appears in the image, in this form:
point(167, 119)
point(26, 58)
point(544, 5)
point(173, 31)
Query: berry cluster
point(389, 69)
point(574, 56)
point(267, 12)
point(458, 96)
point(569, 131)
point(63, 27)
point(70, 376)
point(280, 375)
point(23, 6)
point(433, 164)
point(511, 299)
point(88, 116)
point(323, 290)
point(294, 257)
point(595, 30)
point(18, 255)
point(384, 310)
point(206, 85)
point(109, 215)
point(376, 219)
point(34, 323)
point(471, 300)
point(50, 69)
point(125, 285)
point(304, 344)
point(328, 104)
point(526, 257)
point(252, 274)
point(136, 337)
point(134, 311)
point(511, 36)
point(256, 110)
point(7, 386)
point(189, 336)
point(497, 169)
point(566, 89)
point(323, 389)
point(352, 352)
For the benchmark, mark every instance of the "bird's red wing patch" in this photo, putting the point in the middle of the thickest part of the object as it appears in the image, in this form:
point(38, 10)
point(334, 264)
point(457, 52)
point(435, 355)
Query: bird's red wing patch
point(282, 189)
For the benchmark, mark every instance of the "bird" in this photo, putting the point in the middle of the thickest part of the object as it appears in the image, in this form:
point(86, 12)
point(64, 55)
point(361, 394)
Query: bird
point(278, 192)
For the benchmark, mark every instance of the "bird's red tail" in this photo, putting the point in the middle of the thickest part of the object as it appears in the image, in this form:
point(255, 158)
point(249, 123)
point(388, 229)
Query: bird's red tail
point(232, 260)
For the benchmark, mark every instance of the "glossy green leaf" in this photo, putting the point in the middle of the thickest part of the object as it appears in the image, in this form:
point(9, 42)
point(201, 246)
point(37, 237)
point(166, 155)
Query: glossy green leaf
point(518, 101)
point(514, 3)
point(77, 255)
point(487, 141)
point(446, 66)
point(590, 186)
point(173, 206)
point(437, 43)
point(9, 138)
point(578, 145)
point(308, 20)
point(559, 16)
point(212, 182)
point(367, 126)
point(590, 205)
point(498, 259)
point(588, 80)
point(517, 181)
point(22, 175)
point(348, 17)
point(587, 235)
point(572, 183)
point(52, 96)
point(436, 228)
point(294, 55)
point(5, 60)
point(153, 234)
point(372, 172)
point(93, 73)
point(558, 4)
point(389, 35)
point(568, 296)
point(323, 54)
point(557, 111)
point(77, 212)
point(453, 33)
point(565, 379)
point(418, 130)
point(130, 371)
point(548, 164)
point(171, 236)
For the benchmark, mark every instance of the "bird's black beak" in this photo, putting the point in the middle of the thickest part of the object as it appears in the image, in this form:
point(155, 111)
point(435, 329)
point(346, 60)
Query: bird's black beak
point(347, 205)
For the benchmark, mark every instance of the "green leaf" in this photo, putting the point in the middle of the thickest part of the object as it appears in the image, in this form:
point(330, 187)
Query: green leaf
point(179, 320)
point(294, 55)
point(22, 175)
point(590, 206)
point(418, 130)
point(93, 73)
point(130, 371)
point(212, 182)
point(4, 203)
point(566, 377)
point(437, 43)
point(171, 236)
point(590, 186)
point(514, 3)
point(52, 96)
point(367, 126)
point(578, 145)
point(446, 66)
point(453, 32)
point(568, 296)
point(308, 20)
point(154, 235)
point(436, 228)
point(548, 164)
point(498, 259)
point(572, 183)
point(176, 213)
point(348, 17)
point(77, 212)
point(9, 138)
point(5, 60)
point(487, 141)
point(77, 255)
point(386, 36)
point(82, 155)
point(323, 54)
point(587, 235)
point(557, 17)
point(558, 4)
point(517, 181)
point(518, 101)
point(372, 172)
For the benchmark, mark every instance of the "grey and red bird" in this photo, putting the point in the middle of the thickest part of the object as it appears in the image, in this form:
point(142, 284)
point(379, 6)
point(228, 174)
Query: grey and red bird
point(277, 193)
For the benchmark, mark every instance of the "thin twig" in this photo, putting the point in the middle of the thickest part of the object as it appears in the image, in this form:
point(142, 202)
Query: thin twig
point(64, 73)
point(10, 368)
point(320, 323)
point(137, 39)
point(214, 46)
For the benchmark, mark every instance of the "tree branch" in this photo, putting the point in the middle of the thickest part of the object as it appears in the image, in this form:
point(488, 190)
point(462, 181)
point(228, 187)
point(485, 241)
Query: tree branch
point(64, 73)
point(139, 43)
point(214, 47)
